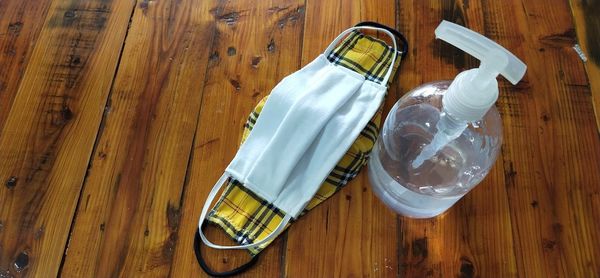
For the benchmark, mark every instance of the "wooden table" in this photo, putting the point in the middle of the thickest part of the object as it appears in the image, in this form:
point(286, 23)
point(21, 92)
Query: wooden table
point(117, 116)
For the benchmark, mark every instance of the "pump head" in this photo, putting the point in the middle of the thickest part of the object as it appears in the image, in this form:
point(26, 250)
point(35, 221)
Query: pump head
point(474, 91)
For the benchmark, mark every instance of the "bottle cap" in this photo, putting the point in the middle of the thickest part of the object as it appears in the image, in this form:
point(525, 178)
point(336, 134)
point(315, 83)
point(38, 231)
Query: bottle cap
point(474, 91)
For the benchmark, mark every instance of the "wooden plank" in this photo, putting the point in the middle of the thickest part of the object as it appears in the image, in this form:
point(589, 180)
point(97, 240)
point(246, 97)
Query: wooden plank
point(258, 43)
point(552, 154)
point(49, 134)
point(474, 237)
point(351, 234)
point(587, 25)
point(20, 25)
point(127, 220)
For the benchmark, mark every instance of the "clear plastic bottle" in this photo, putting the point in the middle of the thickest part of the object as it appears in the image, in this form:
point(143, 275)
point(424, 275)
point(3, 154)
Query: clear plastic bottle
point(440, 181)
point(442, 138)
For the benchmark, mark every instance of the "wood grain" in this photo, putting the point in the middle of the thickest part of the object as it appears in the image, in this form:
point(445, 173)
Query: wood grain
point(20, 25)
point(189, 74)
point(351, 234)
point(49, 134)
point(257, 44)
point(587, 26)
point(552, 152)
point(127, 220)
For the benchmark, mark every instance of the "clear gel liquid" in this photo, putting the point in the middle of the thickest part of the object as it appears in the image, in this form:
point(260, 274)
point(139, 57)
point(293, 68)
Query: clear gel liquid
point(420, 183)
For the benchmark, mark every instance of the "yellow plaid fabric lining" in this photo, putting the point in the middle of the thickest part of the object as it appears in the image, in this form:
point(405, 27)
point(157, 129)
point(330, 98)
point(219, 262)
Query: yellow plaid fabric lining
point(246, 217)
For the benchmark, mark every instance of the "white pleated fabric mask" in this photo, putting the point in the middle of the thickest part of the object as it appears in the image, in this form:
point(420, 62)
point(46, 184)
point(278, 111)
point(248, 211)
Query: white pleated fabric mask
point(307, 124)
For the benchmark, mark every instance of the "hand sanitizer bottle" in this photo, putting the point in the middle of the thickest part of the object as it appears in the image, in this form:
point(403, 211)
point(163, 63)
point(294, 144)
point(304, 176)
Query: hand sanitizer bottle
point(441, 139)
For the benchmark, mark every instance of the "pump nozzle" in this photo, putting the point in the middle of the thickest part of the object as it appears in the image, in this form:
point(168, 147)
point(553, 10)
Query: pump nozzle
point(473, 92)
point(492, 55)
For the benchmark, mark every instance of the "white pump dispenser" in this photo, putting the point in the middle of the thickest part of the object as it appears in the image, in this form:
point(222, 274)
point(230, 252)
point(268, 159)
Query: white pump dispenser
point(442, 138)
point(474, 91)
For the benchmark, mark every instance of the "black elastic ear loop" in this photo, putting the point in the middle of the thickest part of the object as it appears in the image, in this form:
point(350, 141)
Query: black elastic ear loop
point(209, 271)
point(392, 30)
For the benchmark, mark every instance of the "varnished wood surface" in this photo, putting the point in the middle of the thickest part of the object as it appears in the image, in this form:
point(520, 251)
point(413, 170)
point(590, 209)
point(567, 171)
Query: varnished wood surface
point(586, 15)
point(116, 118)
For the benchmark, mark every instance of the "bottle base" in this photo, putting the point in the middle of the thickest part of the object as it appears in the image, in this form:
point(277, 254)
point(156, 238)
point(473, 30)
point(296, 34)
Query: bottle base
point(402, 209)
point(399, 198)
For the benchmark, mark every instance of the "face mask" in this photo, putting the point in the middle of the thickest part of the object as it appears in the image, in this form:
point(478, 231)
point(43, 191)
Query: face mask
point(308, 123)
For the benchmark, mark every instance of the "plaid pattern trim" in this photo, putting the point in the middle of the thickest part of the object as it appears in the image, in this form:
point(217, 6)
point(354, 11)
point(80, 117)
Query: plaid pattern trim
point(246, 217)
point(365, 55)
